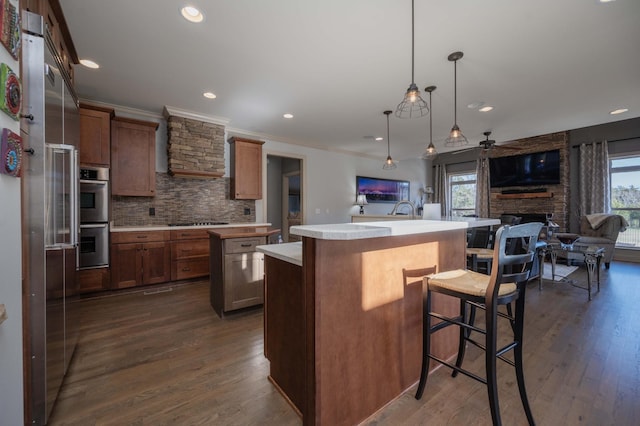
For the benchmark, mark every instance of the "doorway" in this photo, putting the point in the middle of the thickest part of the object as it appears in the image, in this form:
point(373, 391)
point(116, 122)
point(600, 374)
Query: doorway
point(285, 199)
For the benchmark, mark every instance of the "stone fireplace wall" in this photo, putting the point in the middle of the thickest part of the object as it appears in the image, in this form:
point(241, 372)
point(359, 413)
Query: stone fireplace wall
point(555, 200)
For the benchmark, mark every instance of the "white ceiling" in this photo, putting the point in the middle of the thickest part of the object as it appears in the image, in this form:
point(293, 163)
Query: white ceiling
point(545, 65)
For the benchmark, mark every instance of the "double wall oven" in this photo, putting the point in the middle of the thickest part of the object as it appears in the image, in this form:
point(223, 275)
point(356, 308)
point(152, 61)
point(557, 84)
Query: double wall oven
point(94, 217)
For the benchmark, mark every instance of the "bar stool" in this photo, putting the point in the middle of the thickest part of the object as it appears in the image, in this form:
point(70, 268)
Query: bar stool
point(506, 284)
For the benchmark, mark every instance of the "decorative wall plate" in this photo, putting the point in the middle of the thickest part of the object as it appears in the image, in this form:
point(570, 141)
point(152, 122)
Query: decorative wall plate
point(11, 97)
point(11, 153)
point(10, 28)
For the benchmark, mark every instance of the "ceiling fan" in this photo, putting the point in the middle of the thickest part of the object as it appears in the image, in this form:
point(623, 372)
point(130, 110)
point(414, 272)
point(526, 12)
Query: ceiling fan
point(486, 145)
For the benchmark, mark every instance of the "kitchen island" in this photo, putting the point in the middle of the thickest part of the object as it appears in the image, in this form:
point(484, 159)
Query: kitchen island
point(343, 324)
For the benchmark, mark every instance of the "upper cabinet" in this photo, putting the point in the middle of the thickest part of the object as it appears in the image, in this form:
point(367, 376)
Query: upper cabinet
point(51, 11)
point(133, 157)
point(246, 169)
point(95, 135)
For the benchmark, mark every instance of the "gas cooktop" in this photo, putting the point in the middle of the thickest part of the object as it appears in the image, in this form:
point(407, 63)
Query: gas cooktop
point(205, 223)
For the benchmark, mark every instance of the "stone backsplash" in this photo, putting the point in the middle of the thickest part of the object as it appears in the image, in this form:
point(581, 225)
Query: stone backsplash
point(558, 202)
point(182, 200)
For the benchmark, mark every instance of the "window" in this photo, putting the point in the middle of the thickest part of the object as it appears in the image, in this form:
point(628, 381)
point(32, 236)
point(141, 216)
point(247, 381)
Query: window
point(462, 193)
point(625, 197)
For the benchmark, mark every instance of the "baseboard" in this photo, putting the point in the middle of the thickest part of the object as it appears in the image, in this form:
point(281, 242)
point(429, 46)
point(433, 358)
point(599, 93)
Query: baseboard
point(626, 255)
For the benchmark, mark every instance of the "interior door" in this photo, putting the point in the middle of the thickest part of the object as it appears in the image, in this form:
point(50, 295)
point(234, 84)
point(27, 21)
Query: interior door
point(291, 204)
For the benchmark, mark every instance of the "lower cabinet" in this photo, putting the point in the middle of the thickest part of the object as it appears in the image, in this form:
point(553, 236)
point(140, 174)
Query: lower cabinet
point(189, 254)
point(92, 280)
point(140, 263)
point(237, 278)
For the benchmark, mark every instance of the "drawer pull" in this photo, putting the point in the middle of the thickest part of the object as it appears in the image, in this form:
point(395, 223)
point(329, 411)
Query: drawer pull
point(245, 245)
point(142, 236)
point(186, 269)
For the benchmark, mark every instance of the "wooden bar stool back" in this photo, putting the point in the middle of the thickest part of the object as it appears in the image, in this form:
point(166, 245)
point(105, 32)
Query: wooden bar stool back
point(506, 284)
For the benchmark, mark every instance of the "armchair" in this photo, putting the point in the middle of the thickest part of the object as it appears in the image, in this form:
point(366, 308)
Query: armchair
point(600, 230)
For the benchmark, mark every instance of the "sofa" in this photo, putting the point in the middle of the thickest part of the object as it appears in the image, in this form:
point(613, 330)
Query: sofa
point(600, 230)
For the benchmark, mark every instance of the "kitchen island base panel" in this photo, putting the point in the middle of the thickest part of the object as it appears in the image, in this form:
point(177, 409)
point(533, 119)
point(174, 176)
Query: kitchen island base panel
point(368, 325)
point(361, 343)
point(284, 332)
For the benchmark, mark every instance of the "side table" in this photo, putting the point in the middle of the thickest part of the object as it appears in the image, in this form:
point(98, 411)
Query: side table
point(592, 259)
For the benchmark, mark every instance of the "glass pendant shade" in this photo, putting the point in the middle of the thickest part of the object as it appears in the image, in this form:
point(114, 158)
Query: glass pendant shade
point(456, 138)
point(430, 153)
point(412, 105)
point(388, 164)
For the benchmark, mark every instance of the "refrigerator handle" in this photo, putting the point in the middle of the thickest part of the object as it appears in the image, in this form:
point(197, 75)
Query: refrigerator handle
point(75, 196)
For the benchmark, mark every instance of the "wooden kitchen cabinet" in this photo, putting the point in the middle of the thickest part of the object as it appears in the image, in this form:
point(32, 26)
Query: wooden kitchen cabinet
point(92, 280)
point(246, 169)
point(140, 258)
point(189, 254)
point(95, 135)
point(133, 157)
point(237, 273)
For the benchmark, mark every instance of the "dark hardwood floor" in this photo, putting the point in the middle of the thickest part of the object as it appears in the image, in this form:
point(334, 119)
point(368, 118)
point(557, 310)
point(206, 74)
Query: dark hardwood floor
point(167, 359)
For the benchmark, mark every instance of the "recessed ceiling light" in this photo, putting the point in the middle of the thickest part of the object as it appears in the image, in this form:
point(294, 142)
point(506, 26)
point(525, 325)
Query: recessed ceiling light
point(192, 14)
point(619, 111)
point(287, 115)
point(89, 63)
point(474, 105)
point(486, 109)
point(606, 1)
point(379, 138)
point(209, 95)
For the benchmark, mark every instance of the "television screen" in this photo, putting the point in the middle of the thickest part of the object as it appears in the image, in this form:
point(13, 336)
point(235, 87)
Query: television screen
point(380, 190)
point(538, 168)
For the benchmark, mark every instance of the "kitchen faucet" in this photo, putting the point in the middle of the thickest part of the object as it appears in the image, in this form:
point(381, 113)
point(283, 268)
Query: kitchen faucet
point(402, 202)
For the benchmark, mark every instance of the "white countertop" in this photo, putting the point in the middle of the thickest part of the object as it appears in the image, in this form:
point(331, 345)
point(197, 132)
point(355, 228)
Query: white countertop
point(361, 230)
point(171, 228)
point(288, 252)
point(373, 217)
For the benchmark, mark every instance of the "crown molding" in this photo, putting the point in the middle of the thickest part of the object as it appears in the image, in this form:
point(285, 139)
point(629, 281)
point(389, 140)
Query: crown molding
point(124, 109)
point(173, 111)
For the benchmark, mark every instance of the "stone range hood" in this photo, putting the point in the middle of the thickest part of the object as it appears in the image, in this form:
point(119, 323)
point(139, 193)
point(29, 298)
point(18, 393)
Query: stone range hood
point(195, 145)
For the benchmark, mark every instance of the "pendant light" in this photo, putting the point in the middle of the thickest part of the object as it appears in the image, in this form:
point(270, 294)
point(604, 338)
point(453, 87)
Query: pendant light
point(430, 153)
point(412, 105)
point(456, 138)
point(388, 164)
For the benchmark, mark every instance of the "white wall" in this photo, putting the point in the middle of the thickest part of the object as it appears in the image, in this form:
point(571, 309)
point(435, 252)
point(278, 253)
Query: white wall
point(11, 386)
point(329, 182)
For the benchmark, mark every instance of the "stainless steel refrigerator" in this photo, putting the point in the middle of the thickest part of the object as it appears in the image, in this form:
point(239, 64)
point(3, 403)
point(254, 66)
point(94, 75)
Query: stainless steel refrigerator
point(50, 127)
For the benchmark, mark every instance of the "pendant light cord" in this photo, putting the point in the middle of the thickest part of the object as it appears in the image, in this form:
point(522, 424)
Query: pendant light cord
point(430, 121)
point(412, 42)
point(455, 92)
point(388, 142)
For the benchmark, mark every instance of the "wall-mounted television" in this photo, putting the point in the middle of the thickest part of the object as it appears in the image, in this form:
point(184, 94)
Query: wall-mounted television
point(537, 168)
point(379, 190)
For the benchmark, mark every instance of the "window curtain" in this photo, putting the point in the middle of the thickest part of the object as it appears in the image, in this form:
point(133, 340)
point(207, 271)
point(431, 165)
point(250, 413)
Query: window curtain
point(483, 191)
point(441, 194)
point(595, 187)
